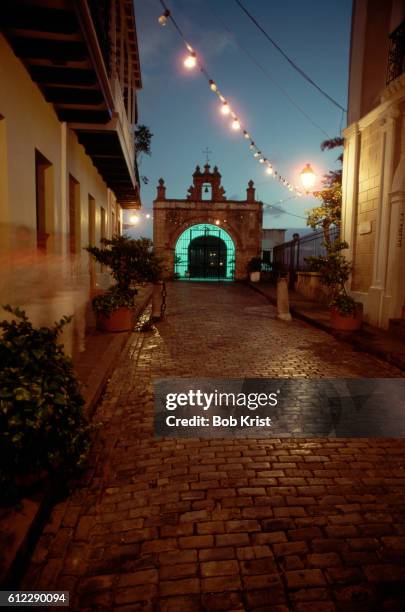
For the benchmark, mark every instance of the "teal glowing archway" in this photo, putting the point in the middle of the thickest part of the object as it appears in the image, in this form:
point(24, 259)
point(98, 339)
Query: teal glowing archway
point(205, 252)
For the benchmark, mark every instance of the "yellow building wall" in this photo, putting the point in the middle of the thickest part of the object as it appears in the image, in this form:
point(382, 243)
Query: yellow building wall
point(47, 285)
point(369, 180)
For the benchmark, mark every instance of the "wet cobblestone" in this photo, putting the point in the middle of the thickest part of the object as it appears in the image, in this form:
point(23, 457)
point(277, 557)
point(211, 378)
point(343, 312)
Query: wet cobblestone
point(236, 524)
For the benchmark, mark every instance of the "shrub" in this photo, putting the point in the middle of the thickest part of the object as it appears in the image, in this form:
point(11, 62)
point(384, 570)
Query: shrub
point(42, 426)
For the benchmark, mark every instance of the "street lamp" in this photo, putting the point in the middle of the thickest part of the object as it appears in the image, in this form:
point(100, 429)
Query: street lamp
point(308, 178)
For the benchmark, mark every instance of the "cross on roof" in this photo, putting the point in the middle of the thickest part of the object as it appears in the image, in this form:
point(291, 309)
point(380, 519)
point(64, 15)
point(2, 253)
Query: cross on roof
point(207, 154)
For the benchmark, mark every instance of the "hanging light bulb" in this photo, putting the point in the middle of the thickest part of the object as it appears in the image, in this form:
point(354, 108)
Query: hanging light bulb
point(308, 178)
point(191, 60)
point(257, 154)
point(213, 85)
point(163, 18)
point(246, 134)
point(252, 146)
point(225, 110)
point(235, 124)
point(261, 160)
point(269, 169)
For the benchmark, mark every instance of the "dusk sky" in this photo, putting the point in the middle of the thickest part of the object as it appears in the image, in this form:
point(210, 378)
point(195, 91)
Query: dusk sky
point(183, 113)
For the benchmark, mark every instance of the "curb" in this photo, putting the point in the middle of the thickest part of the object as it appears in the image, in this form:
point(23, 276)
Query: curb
point(357, 342)
point(23, 526)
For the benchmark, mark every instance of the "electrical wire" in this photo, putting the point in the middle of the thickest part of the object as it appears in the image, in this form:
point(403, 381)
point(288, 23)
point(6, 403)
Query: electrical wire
point(213, 86)
point(289, 60)
point(266, 72)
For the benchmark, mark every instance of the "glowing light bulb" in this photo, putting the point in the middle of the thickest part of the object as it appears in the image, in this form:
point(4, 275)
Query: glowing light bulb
point(246, 134)
point(163, 18)
point(217, 222)
point(134, 219)
point(308, 178)
point(257, 154)
point(213, 85)
point(269, 170)
point(191, 61)
point(252, 146)
point(225, 110)
point(235, 124)
point(148, 216)
point(261, 160)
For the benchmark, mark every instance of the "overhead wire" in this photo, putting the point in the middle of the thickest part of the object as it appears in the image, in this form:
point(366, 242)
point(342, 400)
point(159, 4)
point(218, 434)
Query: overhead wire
point(236, 122)
point(289, 60)
point(266, 72)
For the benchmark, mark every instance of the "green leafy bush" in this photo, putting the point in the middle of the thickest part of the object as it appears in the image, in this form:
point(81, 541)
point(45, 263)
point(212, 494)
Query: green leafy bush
point(113, 299)
point(255, 264)
point(335, 272)
point(131, 262)
point(42, 426)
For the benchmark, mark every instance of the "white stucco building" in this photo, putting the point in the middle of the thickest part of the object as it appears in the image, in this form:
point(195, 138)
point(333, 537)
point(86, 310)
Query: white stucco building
point(69, 72)
point(373, 214)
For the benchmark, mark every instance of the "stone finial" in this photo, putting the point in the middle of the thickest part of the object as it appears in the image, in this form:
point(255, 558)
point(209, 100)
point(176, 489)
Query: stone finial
point(197, 171)
point(250, 192)
point(161, 190)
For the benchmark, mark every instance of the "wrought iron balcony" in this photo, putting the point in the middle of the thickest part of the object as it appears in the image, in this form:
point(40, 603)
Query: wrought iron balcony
point(396, 55)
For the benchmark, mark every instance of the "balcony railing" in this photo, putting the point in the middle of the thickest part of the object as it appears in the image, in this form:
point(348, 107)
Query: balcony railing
point(396, 54)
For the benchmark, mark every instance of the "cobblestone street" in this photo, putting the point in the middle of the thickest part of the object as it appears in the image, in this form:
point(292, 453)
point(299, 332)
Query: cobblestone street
point(237, 524)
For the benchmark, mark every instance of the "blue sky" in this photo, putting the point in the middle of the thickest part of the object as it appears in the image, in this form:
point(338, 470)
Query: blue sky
point(183, 115)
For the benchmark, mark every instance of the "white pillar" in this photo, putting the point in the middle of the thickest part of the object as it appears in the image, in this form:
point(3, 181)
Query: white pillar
point(394, 295)
point(381, 248)
point(350, 179)
point(283, 306)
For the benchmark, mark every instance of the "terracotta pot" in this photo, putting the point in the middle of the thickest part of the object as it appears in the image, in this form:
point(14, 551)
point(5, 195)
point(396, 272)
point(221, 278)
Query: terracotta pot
point(254, 277)
point(119, 320)
point(351, 322)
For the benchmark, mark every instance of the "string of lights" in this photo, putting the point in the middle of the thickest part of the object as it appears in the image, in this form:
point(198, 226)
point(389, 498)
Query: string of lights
point(193, 61)
point(289, 60)
point(267, 73)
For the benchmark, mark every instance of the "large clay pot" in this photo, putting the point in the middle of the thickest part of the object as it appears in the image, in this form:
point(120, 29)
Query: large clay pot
point(254, 277)
point(119, 320)
point(351, 322)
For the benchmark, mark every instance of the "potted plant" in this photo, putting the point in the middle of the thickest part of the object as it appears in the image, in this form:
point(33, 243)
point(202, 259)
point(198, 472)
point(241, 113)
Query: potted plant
point(346, 314)
point(254, 268)
point(131, 262)
point(43, 430)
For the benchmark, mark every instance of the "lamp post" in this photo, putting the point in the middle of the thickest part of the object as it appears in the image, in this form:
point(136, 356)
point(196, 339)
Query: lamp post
point(308, 178)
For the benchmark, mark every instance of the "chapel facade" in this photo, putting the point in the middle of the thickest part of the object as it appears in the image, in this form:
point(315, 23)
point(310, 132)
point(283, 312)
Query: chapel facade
point(206, 237)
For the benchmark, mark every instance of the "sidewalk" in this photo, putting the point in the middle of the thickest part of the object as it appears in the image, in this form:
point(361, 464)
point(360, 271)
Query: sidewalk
point(369, 339)
point(20, 526)
point(94, 365)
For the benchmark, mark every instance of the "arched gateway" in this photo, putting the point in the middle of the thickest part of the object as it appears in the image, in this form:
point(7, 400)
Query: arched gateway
point(200, 239)
point(205, 252)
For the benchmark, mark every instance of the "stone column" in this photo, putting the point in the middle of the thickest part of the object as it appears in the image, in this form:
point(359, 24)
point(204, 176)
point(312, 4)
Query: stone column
point(377, 288)
point(283, 306)
point(394, 295)
point(350, 186)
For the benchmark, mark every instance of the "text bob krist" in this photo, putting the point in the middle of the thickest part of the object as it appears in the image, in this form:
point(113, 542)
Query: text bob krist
point(205, 401)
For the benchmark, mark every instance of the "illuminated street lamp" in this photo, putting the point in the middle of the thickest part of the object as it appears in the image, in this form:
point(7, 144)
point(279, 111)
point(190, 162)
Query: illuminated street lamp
point(308, 178)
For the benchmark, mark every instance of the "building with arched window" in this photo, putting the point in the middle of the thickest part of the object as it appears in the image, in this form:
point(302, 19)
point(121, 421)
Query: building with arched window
point(206, 236)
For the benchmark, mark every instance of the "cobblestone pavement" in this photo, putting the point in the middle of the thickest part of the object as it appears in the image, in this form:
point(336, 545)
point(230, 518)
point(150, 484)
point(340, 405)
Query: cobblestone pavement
point(275, 525)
